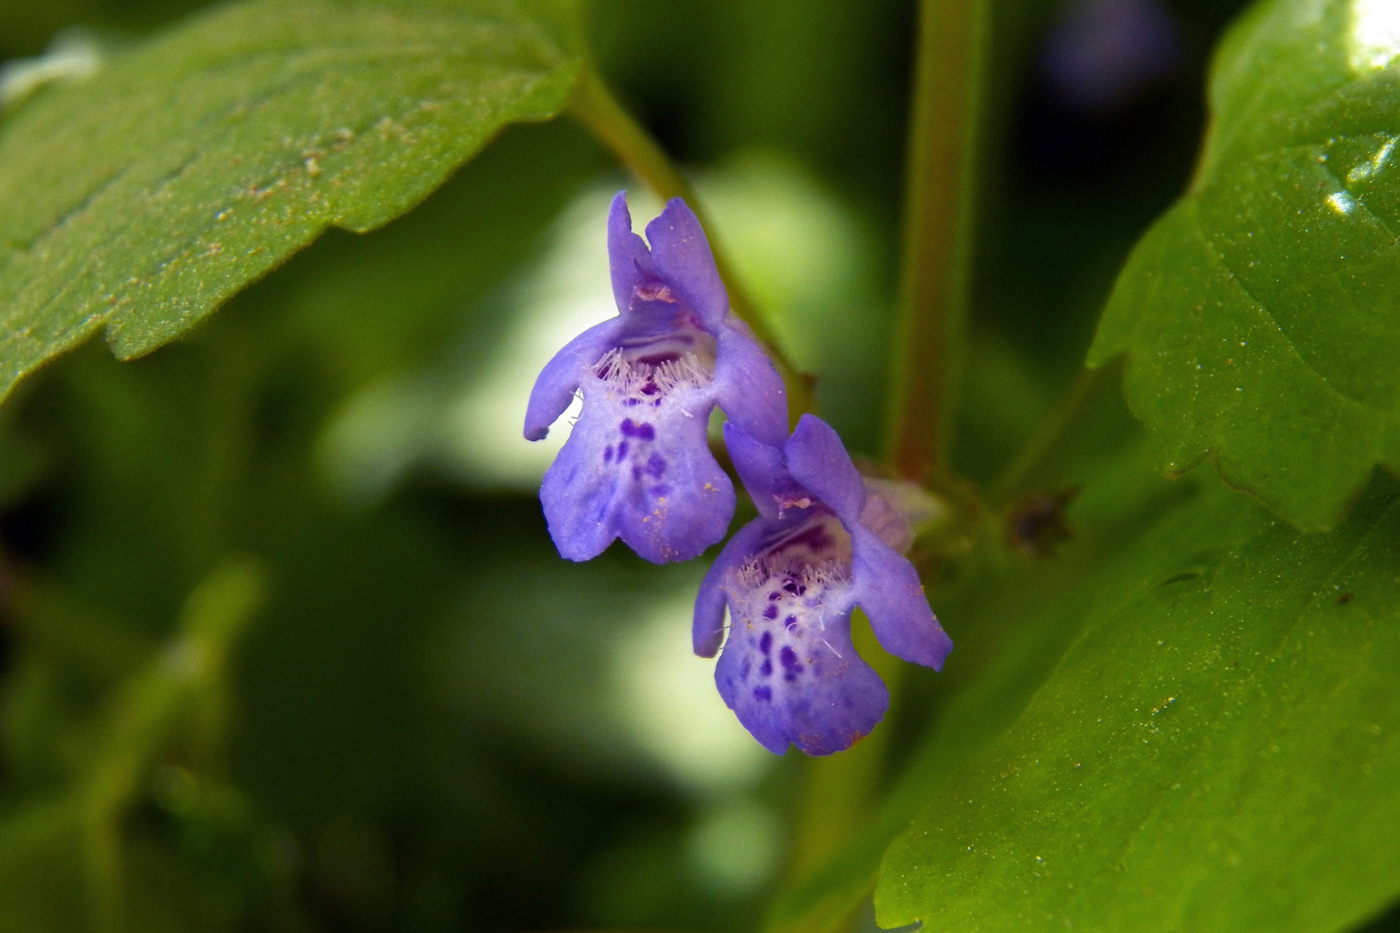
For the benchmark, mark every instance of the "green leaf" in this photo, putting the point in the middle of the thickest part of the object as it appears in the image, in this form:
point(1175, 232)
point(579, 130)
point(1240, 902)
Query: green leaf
point(142, 197)
point(1260, 314)
point(1219, 749)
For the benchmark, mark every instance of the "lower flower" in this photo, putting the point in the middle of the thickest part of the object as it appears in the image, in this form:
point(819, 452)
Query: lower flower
point(790, 580)
point(789, 670)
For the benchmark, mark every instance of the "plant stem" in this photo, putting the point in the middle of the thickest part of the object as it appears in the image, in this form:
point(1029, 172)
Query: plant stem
point(940, 182)
point(595, 106)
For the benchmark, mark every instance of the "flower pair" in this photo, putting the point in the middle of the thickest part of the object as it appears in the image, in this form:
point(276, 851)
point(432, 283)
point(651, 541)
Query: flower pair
point(638, 467)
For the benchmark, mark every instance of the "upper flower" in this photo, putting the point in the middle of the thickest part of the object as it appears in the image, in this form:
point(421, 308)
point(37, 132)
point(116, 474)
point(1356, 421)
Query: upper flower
point(637, 465)
point(791, 578)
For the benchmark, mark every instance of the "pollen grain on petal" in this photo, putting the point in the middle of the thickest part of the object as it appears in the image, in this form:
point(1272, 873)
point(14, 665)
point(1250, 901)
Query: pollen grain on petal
point(653, 291)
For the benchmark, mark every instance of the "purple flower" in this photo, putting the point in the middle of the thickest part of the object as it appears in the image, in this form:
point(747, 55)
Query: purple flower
point(638, 465)
point(791, 578)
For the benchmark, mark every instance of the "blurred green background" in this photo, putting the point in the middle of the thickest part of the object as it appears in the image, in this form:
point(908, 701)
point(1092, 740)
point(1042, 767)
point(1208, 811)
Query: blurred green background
point(283, 642)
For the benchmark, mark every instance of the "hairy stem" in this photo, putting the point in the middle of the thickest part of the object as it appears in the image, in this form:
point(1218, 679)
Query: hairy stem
point(595, 106)
point(937, 255)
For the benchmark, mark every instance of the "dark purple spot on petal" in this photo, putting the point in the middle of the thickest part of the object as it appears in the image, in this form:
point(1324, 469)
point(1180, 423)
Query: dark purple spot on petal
point(775, 595)
point(636, 473)
point(607, 454)
point(621, 451)
point(790, 621)
point(641, 431)
point(765, 644)
point(763, 694)
point(633, 402)
point(662, 490)
point(770, 613)
point(766, 668)
point(656, 464)
point(788, 658)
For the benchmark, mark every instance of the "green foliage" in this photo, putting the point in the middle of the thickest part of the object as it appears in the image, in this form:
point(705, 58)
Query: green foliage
point(1216, 751)
point(275, 657)
point(334, 725)
point(75, 837)
point(143, 196)
point(1259, 314)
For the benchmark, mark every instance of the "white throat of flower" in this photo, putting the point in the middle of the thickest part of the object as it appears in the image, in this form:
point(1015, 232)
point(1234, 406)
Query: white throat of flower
point(767, 572)
point(798, 588)
point(630, 378)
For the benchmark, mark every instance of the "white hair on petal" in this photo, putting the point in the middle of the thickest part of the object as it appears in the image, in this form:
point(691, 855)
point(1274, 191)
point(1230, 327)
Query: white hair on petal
point(759, 572)
point(630, 379)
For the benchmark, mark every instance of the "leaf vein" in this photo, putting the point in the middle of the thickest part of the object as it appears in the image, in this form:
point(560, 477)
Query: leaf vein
point(1233, 280)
